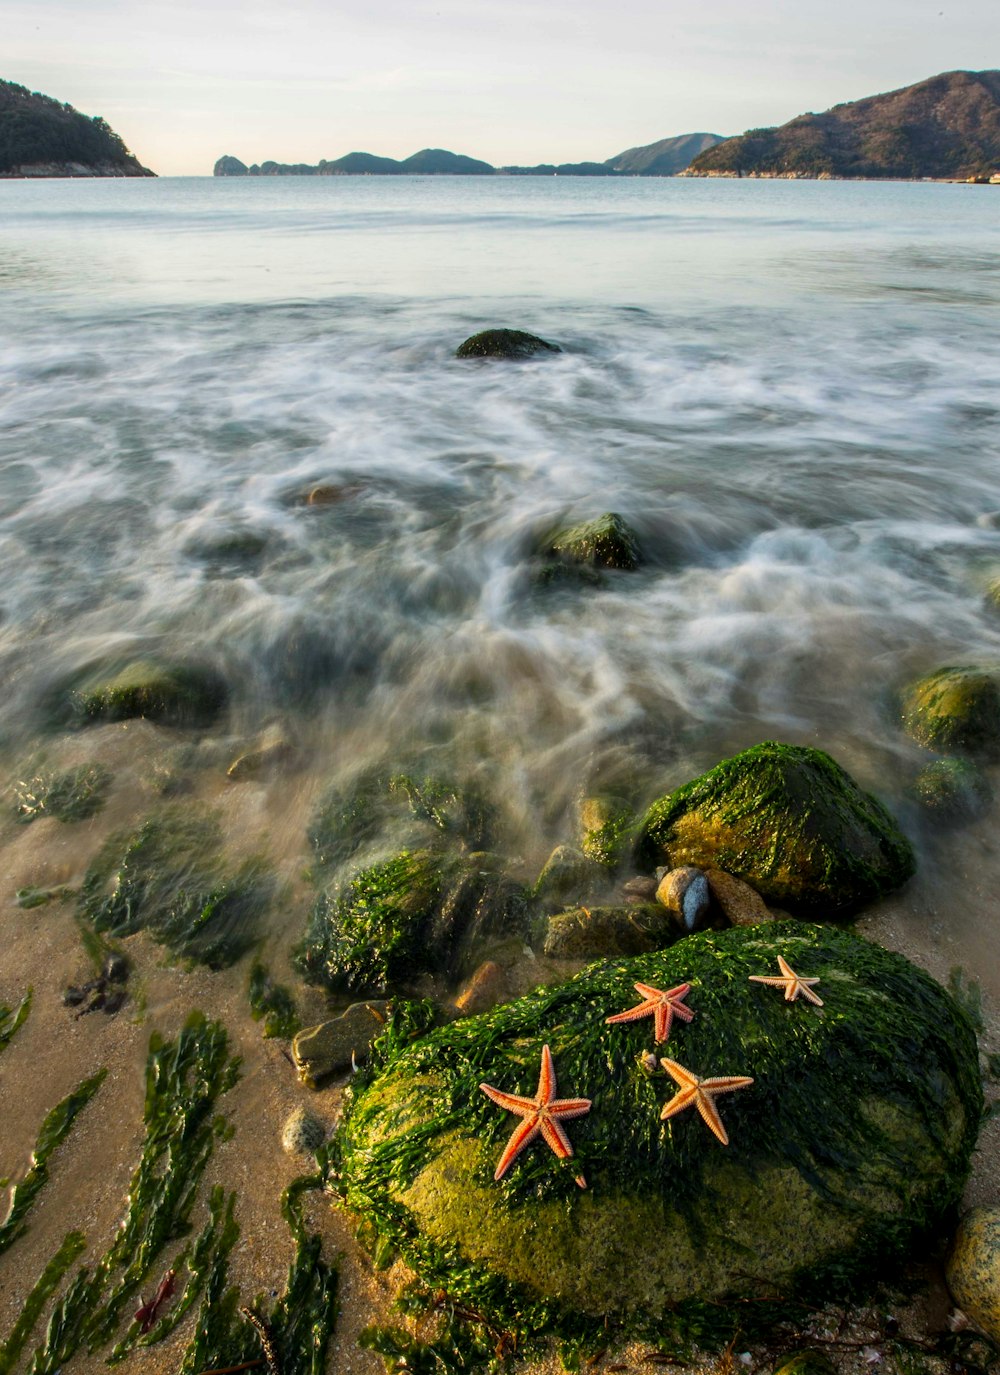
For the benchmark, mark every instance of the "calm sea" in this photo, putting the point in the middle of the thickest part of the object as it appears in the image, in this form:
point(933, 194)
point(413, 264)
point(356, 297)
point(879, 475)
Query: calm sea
point(791, 391)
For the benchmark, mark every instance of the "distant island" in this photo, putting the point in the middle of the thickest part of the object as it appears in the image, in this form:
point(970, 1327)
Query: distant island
point(947, 127)
point(40, 137)
point(662, 159)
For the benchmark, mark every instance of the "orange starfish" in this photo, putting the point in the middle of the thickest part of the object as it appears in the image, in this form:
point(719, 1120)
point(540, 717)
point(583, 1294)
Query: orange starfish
point(791, 982)
point(700, 1093)
point(541, 1114)
point(663, 1005)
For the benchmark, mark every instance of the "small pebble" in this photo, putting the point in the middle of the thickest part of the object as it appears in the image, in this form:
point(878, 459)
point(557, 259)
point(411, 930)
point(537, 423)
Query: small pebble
point(303, 1133)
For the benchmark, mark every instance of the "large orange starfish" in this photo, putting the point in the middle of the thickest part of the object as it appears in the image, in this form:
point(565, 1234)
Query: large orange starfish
point(541, 1114)
point(700, 1093)
point(663, 1005)
point(792, 983)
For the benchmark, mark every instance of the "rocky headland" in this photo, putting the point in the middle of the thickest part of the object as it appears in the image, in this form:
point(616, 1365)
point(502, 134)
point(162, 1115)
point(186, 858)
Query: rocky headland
point(42, 137)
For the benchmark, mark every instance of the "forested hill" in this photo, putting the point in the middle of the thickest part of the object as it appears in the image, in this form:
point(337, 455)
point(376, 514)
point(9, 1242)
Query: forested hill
point(947, 126)
point(41, 137)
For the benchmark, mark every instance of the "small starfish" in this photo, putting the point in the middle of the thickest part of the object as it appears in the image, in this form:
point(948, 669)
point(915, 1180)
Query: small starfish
point(700, 1093)
point(540, 1114)
point(663, 1005)
point(791, 982)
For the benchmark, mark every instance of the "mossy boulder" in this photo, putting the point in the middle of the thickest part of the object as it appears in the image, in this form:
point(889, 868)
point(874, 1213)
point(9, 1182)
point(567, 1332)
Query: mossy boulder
point(607, 542)
point(512, 344)
point(789, 821)
point(852, 1142)
point(953, 790)
point(567, 876)
point(419, 912)
point(173, 694)
point(607, 826)
point(955, 709)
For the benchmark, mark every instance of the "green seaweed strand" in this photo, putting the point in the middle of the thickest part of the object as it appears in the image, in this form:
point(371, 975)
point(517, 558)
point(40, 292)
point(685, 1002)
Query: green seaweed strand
point(12, 1019)
point(56, 1127)
point(73, 1243)
point(273, 1003)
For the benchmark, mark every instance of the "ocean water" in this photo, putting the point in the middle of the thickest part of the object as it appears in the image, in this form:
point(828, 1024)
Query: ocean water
point(790, 390)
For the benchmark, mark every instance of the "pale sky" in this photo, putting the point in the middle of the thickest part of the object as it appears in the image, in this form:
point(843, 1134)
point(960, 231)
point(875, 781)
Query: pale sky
point(510, 81)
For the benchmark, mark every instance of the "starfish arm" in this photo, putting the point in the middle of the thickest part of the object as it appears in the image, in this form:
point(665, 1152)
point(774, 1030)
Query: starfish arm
point(510, 1101)
point(679, 1102)
point(727, 1084)
point(679, 1074)
point(710, 1116)
point(569, 1107)
point(775, 980)
point(546, 1078)
point(808, 993)
point(646, 1009)
point(523, 1134)
point(555, 1137)
point(785, 967)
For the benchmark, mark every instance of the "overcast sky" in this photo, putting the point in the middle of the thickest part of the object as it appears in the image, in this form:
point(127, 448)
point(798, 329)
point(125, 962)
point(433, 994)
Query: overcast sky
point(511, 81)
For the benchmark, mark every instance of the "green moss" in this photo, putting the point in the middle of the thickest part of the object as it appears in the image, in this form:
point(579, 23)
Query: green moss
point(853, 1140)
point(74, 795)
point(608, 827)
point(273, 1003)
point(174, 694)
point(607, 542)
point(789, 821)
point(169, 877)
point(955, 709)
point(953, 790)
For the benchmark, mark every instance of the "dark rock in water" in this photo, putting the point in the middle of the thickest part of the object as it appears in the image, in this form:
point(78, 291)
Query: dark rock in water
point(607, 542)
point(953, 790)
point(956, 709)
point(512, 344)
point(789, 821)
point(339, 1044)
point(173, 694)
point(567, 876)
point(849, 1147)
point(686, 895)
point(272, 752)
point(587, 933)
point(486, 988)
point(422, 911)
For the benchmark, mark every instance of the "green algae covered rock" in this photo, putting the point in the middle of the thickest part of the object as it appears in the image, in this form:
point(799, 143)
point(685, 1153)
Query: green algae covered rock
point(955, 709)
point(853, 1139)
point(953, 790)
point(607, 826)
point(587, 933)
point(607, 542)
point(511, 344)
point(418, 912)
point(789, 821)
point(174, 694)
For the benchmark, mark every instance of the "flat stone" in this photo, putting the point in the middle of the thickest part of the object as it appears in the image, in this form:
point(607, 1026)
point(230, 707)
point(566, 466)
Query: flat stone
point(605, 932)
point(326, 1049)
point(973, 1269)
point(741, 904)
point(567, 876)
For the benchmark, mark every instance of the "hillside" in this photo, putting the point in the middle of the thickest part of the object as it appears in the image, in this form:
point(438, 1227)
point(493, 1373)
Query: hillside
point(40, 137)
point(663, 159)
point(947, 126)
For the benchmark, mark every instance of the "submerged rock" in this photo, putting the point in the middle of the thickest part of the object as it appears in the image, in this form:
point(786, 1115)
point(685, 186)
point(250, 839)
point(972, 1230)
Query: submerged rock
point(789, 821)
point(607, 542)
point(486, 988)
point(587, 933)
point(173, 694)
point(567, 876)
point(512, 344)
point(850, 1144)
point(955, 709)
point(270, 753)
point(973, 1270)
point(953, 790)
point(607, 825)
point(337, 1045)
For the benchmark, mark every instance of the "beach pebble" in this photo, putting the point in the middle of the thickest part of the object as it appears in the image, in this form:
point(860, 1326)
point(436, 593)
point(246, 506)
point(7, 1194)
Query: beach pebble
point(741, 904)
point(640, 889)
point(303, 1133)
point(685, 892)
point(973, 1269)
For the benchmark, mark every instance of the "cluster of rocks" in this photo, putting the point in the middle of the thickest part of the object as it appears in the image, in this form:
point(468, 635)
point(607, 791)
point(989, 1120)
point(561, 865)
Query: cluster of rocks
point(955, 711)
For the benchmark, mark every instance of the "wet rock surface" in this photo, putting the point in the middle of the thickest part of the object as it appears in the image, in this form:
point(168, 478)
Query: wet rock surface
point(973, 1269)
point(587, 933)
point(333, 1047)
point(512, 344)
point(956, 709)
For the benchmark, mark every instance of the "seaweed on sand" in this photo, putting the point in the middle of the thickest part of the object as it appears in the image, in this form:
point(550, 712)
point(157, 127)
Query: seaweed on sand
point(12, 1019)
point(272, 1003)
point(73, 795)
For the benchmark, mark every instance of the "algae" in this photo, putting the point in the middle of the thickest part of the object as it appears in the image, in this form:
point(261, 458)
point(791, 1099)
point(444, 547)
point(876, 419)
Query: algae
point(13, 1018)
point(861, 1122)
point(953, 790)
point(42, 1290)
point(789, 821)
point(73, 795)
point(608, 830)
point(272, 1003)
point(607, 542)
point(174, 694)
point(168, 876)
point(956, 708)
point(510, 344)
